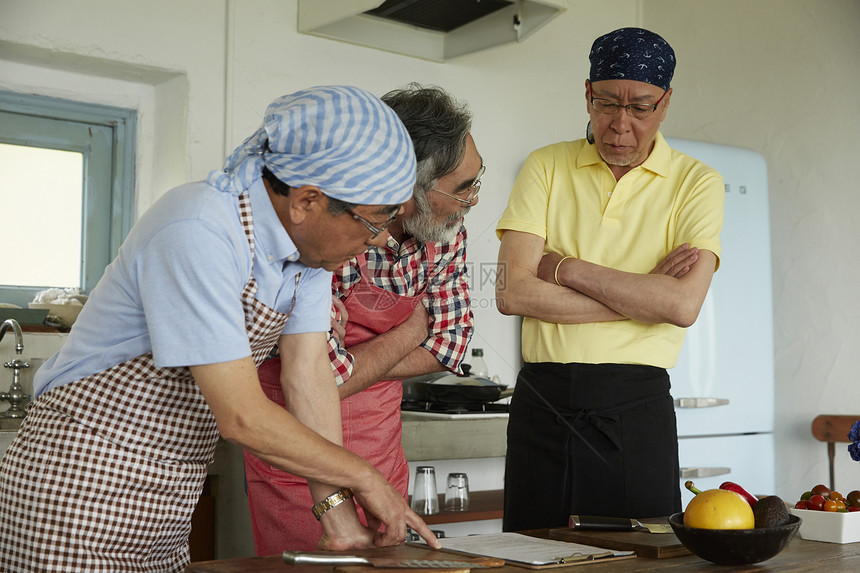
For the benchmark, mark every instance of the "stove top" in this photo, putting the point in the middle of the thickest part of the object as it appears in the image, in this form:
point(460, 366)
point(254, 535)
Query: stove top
point(417, 410)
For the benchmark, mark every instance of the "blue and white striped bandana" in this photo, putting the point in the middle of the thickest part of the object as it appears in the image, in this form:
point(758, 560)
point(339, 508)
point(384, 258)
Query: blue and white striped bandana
point(632, 54)
point(341, 139)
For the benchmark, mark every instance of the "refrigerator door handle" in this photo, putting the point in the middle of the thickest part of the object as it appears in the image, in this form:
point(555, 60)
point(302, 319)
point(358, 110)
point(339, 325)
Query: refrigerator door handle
point(703, 472)
point(700, 402)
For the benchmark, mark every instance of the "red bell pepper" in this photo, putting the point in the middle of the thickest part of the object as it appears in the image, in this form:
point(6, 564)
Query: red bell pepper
point(748, 497)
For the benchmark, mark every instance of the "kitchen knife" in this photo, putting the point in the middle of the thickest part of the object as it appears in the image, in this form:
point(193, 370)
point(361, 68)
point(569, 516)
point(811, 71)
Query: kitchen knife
point(616, 524)
point(333, 559)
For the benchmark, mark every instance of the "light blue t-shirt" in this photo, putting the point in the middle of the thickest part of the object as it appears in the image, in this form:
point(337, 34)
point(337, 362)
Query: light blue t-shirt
point(174, 288)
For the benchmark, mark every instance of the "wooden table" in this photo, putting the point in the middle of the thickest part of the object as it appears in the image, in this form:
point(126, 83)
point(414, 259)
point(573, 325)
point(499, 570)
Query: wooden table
point(800, 555)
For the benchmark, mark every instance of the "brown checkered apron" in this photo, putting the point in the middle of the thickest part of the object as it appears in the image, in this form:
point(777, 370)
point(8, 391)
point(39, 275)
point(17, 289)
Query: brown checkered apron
point(105, 472)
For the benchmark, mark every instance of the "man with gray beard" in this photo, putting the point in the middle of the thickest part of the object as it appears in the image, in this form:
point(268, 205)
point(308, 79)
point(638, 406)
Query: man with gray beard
point(400, 310)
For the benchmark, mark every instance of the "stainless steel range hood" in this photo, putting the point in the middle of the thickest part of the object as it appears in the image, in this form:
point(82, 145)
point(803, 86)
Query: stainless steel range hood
point(436, 30)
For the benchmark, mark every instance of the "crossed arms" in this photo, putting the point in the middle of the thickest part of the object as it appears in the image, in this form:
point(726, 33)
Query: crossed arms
point(432, 339)
point(392, 355)
point(673, 292)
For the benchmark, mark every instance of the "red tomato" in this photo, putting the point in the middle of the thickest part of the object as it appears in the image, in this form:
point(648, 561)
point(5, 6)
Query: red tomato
point(821, 489)
point(816, 502)
point(803, 504)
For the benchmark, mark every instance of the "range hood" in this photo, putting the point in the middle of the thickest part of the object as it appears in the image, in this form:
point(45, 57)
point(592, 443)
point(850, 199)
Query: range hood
point(435, 30)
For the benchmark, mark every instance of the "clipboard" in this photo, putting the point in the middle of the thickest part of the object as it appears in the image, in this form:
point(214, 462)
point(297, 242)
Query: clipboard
point(531, 552)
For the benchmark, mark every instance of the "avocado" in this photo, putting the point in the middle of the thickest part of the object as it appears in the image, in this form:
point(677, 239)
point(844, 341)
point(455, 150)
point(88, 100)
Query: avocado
point(770, 511)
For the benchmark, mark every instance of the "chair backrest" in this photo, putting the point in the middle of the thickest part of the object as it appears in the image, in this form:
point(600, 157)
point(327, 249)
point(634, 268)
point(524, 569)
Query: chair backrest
point(832, 428)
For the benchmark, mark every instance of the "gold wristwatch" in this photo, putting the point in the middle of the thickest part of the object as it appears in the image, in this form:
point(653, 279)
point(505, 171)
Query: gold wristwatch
point(331, 501)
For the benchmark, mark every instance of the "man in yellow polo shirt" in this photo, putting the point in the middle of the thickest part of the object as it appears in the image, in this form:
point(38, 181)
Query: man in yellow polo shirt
point(608, 246)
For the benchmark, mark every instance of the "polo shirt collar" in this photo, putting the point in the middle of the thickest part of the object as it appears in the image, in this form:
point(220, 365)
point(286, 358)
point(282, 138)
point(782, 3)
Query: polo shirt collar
point(660, 158)
point(272, 241)
point(588, 156)
point(658, 161)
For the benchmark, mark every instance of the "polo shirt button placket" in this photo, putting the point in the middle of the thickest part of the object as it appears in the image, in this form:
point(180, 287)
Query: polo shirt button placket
point(613, 207)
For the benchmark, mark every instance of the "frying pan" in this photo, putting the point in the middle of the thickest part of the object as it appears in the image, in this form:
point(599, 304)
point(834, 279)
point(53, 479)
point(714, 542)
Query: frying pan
point(449, 388)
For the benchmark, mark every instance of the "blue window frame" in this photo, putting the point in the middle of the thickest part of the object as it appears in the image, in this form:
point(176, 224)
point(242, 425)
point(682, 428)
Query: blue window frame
point(105, 136)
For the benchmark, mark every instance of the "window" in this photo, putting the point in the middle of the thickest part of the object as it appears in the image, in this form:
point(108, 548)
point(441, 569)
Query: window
point(66, 192)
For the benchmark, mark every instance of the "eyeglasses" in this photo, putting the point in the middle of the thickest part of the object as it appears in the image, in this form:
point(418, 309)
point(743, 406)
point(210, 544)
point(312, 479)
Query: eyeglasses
point(637, 110)
point(473, 189)
point(370, 226)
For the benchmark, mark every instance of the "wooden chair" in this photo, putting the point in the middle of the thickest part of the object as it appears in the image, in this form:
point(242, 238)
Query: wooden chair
point(831, 429)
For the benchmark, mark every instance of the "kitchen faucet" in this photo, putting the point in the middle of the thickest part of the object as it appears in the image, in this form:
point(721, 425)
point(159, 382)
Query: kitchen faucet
point(15, 396)
point(19, 336)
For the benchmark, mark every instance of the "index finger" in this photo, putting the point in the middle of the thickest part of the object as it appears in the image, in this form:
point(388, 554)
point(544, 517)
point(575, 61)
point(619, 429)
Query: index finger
point(416, 523)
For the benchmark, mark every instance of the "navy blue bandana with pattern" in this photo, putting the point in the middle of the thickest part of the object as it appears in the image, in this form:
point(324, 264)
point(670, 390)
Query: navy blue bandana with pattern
point(632, 54)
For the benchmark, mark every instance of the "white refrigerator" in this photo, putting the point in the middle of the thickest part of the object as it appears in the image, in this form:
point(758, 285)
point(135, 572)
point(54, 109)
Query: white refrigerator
point(723, 384)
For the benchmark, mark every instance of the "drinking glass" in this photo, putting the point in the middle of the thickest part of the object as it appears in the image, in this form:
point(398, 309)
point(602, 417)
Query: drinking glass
point(425, 496)
point(457, 494)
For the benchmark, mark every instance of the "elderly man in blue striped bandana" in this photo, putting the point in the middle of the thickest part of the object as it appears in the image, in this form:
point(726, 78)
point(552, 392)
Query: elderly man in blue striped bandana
point(112, 455)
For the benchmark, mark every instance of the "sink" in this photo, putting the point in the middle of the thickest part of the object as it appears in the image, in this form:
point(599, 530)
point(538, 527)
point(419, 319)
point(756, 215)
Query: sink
point(10, 424)
point(6, 437)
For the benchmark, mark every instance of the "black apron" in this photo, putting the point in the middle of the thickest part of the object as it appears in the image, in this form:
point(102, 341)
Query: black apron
point(590, 439)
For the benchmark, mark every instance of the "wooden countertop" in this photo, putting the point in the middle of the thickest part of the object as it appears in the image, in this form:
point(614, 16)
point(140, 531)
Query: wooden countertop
point(800, 555)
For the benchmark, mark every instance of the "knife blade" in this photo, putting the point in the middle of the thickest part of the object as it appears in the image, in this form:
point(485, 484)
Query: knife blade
point(599, 523)
point(332, 559)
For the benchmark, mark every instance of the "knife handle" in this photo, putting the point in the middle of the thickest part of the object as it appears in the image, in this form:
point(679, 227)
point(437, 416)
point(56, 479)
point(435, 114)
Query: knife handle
point(305, 558)
point(601, 523)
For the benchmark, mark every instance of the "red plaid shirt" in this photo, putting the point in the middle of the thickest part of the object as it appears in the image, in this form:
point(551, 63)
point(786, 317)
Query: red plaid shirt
point(405, 270)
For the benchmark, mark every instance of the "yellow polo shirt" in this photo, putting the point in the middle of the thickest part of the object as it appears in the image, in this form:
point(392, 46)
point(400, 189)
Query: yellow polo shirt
point(566, 194)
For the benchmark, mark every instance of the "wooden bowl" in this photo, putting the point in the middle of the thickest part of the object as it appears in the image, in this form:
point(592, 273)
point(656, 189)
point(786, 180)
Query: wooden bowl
point(734, 546)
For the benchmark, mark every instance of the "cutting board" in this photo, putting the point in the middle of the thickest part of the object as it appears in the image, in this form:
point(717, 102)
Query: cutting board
point(369, 569)
point(644, 544)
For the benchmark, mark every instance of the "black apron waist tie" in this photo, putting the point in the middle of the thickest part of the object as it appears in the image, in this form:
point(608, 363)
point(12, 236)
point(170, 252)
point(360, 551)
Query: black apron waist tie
point(602, 421)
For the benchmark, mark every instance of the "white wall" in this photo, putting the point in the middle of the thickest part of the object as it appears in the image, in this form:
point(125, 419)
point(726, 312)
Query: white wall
point(515, 107)
point(776, 76)
point(781, 77)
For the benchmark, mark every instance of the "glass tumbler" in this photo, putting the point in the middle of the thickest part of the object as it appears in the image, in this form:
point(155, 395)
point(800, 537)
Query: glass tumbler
point(425, 497)
point(457, 494)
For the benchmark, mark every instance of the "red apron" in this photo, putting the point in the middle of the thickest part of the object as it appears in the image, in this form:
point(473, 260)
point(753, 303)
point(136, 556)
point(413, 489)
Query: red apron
point(280, 502)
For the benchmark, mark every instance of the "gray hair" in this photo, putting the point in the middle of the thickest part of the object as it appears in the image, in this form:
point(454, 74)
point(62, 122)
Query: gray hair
point(438, 125)
point(335, 206)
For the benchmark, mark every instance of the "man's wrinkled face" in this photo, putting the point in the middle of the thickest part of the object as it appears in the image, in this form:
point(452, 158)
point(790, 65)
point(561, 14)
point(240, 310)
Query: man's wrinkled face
point(339, 238)
point(437, 215)
point(624, 140)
